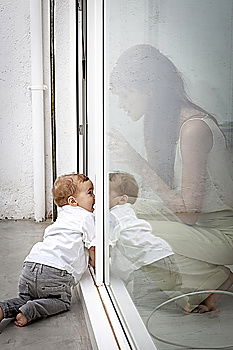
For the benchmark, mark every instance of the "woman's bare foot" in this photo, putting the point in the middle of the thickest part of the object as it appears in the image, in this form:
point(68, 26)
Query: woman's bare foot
point(21, 320)
point(210, 303)
point(206, 307)
point(1, 314)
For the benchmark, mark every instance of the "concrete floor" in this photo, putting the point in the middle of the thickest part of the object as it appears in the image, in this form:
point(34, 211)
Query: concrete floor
point(64, 331)
point(168, 324)
point(69, 331)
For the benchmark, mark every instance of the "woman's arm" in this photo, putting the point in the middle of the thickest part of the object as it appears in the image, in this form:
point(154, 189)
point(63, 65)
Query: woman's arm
point(195, 142)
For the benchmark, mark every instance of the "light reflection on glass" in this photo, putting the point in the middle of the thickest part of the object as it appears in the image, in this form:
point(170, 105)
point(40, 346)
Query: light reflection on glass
point(170, 163)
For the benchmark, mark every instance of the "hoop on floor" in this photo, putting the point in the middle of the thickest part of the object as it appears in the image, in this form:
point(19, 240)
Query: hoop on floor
point(179, 297)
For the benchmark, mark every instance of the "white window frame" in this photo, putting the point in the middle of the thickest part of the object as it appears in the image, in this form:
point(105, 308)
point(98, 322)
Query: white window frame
point(121, 313)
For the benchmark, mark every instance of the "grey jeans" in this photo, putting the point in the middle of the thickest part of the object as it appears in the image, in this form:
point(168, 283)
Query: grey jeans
point(43, 291)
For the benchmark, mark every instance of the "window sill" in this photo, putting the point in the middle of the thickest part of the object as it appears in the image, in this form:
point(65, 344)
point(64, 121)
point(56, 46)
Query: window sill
point(112, 320)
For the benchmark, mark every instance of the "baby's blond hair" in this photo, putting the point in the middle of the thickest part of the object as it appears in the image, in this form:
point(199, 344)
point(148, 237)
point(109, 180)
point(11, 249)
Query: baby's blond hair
point(125, 184)
point(66, 186)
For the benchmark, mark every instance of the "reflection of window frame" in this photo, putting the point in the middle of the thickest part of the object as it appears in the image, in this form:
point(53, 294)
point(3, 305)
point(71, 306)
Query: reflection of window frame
point(122, 314)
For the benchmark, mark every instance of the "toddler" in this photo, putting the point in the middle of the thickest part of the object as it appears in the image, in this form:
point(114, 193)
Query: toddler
point(57, 263)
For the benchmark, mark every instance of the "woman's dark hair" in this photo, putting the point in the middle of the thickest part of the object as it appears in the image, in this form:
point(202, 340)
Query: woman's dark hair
point(145, 69)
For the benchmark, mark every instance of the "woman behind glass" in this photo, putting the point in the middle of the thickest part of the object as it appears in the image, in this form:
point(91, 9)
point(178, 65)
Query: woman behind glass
point(187, 166)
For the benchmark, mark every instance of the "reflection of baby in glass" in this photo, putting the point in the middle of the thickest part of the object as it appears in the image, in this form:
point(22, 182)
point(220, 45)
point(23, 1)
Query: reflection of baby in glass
point(133, 245)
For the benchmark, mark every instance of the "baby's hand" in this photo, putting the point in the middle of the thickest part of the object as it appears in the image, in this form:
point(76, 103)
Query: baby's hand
point(92, 257)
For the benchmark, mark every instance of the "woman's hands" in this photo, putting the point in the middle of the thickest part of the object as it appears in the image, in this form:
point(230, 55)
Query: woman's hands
point(121, 151)
point(195, 143)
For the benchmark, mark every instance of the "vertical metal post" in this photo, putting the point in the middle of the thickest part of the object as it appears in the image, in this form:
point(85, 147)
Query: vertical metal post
point(37, 95)
point(82, 85)
point(53, 109)
point(78, 8)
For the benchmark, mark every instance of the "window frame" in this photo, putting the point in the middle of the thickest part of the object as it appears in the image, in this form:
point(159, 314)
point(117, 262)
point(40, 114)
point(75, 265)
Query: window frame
point(122, 314)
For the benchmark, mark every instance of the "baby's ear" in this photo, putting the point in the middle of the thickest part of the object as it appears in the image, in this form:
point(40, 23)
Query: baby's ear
point(72, 201)
point(124, 199)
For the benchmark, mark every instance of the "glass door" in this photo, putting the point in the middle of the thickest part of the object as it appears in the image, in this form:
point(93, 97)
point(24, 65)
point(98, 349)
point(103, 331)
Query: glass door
point(167, 174)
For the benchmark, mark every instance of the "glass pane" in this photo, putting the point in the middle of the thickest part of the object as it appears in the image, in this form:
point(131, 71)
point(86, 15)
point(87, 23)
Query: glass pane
point(169, 127)
point(65, 93)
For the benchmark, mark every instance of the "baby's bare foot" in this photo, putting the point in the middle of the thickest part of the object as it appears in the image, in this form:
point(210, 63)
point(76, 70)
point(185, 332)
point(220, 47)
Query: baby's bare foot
point(1, 314)
point(21, 320)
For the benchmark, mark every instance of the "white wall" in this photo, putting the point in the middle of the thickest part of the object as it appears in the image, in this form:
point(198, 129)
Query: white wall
point(16, 154)
point(197, 36)
point(16, 176)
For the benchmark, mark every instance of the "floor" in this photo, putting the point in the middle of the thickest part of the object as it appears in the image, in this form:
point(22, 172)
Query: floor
point(64, 331)
point(172, 329)
point(68, 330)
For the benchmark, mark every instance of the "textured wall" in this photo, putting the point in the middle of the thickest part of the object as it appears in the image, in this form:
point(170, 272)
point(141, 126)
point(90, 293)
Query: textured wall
point(16, 153)
point(16, 175)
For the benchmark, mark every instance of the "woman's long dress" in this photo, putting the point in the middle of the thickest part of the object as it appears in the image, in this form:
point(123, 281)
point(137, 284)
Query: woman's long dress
point(202, 250)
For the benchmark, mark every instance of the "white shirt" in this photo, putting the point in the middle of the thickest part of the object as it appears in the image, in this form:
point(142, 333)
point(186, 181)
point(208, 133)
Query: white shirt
point(133, 243)
point(66, 242)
